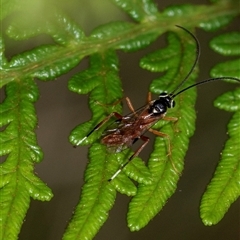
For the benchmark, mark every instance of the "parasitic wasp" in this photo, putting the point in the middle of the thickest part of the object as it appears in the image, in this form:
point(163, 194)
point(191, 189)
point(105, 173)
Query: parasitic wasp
point(126, 130)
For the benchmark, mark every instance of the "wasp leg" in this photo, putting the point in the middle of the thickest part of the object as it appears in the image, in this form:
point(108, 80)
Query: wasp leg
point(128, 101)
point(160, 134)
point(149, 97)
point(130, 106)
point(146, 140)
point(110, 104)
point(115, 114)
point(173, 119)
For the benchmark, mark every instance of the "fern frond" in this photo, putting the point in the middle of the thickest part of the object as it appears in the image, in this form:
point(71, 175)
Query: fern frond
point(18, 143)
point(224, 187)
point(226, 44)
point(97, 198)
point(156, 181)
point(142, 11)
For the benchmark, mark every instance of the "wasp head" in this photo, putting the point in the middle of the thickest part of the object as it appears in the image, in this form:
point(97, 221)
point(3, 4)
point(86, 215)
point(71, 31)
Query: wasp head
point(161, 105)
point(167, 99)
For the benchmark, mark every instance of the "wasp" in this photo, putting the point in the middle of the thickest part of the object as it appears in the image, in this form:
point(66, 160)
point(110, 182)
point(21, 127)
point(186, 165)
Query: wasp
point(126, 130)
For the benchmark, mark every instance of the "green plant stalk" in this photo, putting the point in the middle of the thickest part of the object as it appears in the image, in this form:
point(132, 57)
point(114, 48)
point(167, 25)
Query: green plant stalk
point(89, 45)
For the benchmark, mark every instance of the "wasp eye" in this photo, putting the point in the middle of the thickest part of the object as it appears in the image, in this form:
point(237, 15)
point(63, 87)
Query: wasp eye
point(172, 104)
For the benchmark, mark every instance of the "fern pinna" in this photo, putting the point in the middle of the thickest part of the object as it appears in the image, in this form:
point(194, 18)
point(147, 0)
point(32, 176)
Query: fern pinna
point(155, 181)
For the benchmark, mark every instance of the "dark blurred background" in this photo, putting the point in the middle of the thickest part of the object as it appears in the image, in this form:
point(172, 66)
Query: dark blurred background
point(62, 168)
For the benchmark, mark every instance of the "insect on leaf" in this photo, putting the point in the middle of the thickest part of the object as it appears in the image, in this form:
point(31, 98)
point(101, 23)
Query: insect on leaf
point(166, 164)
point(102, 81)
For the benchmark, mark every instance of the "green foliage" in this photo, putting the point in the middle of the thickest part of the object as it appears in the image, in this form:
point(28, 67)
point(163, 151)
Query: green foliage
point(227, 44)
point(141, 11)
point(157, 181)
point(97, 198)
point(18, 143)
point(224, 188)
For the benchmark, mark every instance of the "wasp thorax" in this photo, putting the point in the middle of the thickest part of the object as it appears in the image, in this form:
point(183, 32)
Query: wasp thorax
point(159, 107)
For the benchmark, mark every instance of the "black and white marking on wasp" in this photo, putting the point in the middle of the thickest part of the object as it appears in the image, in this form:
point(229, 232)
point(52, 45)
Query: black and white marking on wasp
point(130, 128)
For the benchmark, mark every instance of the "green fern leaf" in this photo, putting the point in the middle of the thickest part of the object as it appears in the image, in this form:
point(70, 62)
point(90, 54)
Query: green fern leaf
point(7, 7)
point(164, 60)
point(214, 21)
point(165, 168)
point(124, 185)
point(97, 198)
point(42, 62)
point(229, 101)
point(226, 44)
point(224, 188)
point(41, 57)
point(178, 10)
point(3, 59)
point(217, 23)
point(228, 68)
point(3, 65)
point(38, 56)
point(18, 143)
point(133, 43)
point(143, 10)
point(220, 21)
point(102, 81)
point(56, 24)
point(98, 195)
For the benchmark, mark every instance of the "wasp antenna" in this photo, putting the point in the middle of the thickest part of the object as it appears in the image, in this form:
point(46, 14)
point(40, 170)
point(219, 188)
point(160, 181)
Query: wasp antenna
point(196, 58)
point(120, 169)
point(114, 175)
point(85, 137)
point(205, 81)
point(80, 141)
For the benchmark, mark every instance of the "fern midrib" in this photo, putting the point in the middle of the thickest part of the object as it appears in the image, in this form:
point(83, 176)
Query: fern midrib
point(90, 45)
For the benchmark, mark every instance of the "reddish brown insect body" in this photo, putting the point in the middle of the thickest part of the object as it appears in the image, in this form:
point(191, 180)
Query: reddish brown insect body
point(126, 130)
point(130, 128)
